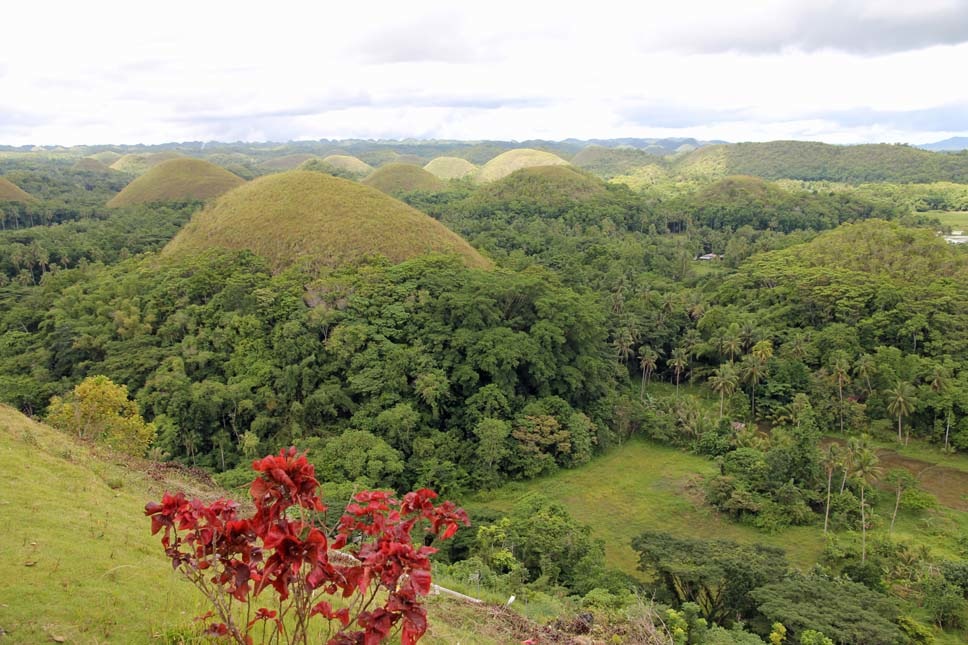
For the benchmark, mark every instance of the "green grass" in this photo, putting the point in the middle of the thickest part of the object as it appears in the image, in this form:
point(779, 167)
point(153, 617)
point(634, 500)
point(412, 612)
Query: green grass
point(80, 564)
point(549, 188)
point(957, 220)
point(78, 559)
point(328, 221)
point(349, 164)
point(506, 163)
point(450, 167)
point(177, 180)
point(89, 164)
point(644, 486)
point(10, 192)
point(400, 178)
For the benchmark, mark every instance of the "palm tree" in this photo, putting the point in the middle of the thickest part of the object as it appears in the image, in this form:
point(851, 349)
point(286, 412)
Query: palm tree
point(678, 362)
point(754, 369)
point(730, 343)
point(866, 368)
point(840, 373)
point(866, 470)
point(648, 359)
point(900, 402)
point(832, 458)
point(724, 381)
point(763, 350)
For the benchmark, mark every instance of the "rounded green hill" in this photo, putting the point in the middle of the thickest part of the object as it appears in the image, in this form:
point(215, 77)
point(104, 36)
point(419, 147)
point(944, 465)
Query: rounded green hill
point(400, 178)
point(543, 185)
point(10, 192)
point(348, 164)
point(177, 180)
point(304, 215)
point(506, 163)
point(107, 157)
point(450, 167)
point(89, 164)
point(138, 164)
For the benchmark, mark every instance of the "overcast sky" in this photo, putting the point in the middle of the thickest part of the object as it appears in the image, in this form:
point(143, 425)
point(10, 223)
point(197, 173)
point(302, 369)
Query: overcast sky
point(841, 71)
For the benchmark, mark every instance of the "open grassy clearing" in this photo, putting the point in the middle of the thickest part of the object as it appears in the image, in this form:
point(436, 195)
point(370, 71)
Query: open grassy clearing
point(957, 220)
point(645, 486)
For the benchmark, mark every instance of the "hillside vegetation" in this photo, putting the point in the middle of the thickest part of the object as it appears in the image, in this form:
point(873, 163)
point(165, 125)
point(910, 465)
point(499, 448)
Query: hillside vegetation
point(814, 161)
point(450, 167)
point(89, 164)
point(177, 180)
point(399, 178)
point(10, 192)
point(327, 221)
point(507, 162)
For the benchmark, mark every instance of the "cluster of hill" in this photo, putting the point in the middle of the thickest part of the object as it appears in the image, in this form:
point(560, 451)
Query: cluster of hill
point(483, 317)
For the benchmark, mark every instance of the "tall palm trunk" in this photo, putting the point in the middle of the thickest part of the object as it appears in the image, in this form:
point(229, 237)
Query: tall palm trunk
point(863, 527)
point(826, 515)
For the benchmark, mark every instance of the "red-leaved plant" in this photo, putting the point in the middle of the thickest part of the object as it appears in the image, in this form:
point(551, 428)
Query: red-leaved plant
point(368, 558)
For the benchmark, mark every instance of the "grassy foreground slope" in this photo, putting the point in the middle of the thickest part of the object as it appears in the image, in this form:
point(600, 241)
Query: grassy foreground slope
point(177, 180)
point(81, 566)
point(304, 215)
point(79, 561)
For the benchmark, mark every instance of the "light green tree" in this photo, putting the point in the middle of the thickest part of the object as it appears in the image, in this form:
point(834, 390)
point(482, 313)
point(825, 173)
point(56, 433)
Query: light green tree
point(98, 409)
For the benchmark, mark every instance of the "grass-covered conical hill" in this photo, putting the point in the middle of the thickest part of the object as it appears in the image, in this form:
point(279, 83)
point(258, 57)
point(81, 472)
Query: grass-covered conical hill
point(304, 215)
point(90, 164)
point(177, 180)
point(507, 162)
point(107, 157)
point(400, 178)
point(543, 183)
point(349, 164)
point(138, 164)
point(10, 192)
point(450, 167)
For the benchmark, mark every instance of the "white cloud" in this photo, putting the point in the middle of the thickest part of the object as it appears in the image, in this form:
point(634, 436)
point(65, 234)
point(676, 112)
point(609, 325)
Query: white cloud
point(854, 70)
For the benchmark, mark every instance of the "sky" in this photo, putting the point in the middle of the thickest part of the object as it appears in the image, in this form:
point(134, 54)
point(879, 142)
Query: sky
point(840, 71)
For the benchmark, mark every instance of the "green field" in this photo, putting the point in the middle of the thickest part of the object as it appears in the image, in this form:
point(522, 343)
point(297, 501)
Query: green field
point(957, 220)
point(643, 486)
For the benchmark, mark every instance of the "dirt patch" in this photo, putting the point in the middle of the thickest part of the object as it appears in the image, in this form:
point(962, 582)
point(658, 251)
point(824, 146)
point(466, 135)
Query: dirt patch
point(950, 486)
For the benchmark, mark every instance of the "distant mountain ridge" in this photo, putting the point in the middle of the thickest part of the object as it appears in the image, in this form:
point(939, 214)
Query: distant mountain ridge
point(951, 144)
